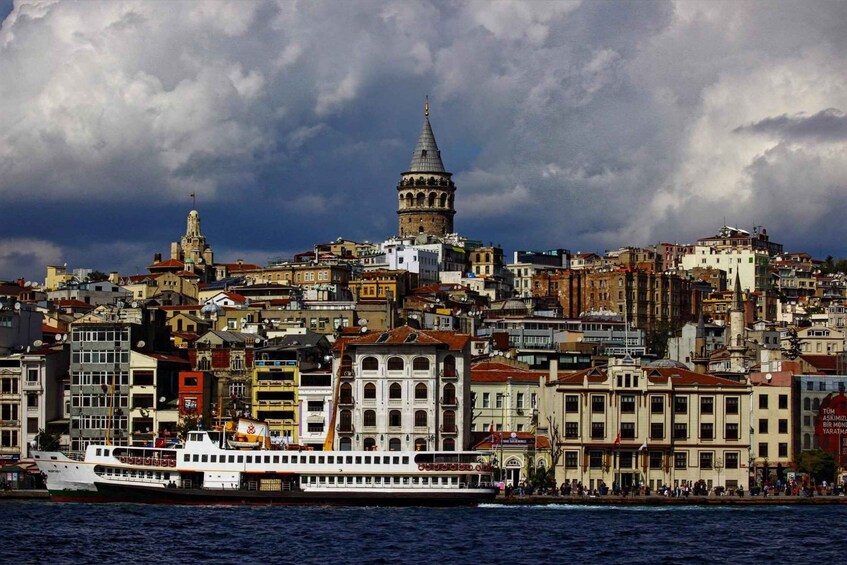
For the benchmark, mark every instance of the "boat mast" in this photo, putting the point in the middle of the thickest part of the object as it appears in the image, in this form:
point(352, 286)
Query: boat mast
point(330, 434)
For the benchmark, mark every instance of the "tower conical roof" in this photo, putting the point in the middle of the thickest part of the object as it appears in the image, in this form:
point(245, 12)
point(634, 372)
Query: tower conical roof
point(737, 300)
point(427, 157)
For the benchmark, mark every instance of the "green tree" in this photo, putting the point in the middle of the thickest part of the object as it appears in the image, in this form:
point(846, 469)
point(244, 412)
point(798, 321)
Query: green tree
point(96, 276)
point(795, 345)
point(818, 463)
point(45, 441)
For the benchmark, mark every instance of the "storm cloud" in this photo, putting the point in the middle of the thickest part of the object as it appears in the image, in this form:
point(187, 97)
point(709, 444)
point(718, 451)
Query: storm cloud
point(566, 124)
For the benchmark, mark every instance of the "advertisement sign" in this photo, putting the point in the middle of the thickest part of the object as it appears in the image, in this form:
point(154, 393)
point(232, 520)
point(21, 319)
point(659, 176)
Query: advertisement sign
point(831, 424)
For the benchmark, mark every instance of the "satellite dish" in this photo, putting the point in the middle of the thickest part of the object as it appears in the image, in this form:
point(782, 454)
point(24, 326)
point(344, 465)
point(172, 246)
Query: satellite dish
point(162, 399)
point(364, 329)
point(29, 283)
point(768, 377)
point(141, 343)
point(362, 322)
point(17, 305)
point(37, 343)
point(135, 304)
point(513, 435)
point(58, 337)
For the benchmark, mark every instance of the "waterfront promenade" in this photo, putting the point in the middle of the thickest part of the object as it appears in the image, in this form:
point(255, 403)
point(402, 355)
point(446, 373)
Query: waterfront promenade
point(659, 500)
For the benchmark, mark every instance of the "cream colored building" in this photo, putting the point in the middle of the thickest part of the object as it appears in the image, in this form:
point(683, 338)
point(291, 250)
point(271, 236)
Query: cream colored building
point(820, 340)
point(657, 424)
point(772, 438)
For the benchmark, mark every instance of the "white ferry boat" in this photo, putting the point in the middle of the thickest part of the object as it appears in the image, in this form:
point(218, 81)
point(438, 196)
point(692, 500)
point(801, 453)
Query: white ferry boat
point(208, 470)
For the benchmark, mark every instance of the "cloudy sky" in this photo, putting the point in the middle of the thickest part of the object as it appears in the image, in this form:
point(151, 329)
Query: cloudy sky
point(583, 125)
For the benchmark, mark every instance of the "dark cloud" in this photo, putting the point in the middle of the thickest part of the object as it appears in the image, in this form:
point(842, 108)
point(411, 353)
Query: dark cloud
point(585, 125)
point(826, 125)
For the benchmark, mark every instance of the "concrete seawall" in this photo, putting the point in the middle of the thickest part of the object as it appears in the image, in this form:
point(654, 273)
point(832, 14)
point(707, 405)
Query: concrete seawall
point(612, 500)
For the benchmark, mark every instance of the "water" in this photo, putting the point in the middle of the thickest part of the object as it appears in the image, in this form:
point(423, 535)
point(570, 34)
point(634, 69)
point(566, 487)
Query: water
point(42, 532)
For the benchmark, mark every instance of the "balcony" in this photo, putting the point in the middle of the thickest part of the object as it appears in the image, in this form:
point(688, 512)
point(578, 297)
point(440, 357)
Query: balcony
point(449, 429)
point(10, 423)
point(348, 373)
point(344, 428)
point(346, 401)
point(448, 401)
point(449, 374)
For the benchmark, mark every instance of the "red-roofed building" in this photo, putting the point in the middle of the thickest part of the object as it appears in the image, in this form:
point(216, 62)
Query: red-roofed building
point(403, 389)
point(658, 424)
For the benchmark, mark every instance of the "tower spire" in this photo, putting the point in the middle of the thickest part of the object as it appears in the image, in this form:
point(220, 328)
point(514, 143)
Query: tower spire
point(737, 300)
point(426, 107)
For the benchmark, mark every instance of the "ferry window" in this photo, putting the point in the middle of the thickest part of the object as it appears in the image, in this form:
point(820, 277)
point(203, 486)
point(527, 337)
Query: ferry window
point(358, 460)
point(167, 476)
point(150, 475)
point(249, 458)
point(349, 480)
point(358, 480)
point(196, 458)
point(232, 458)
point(276, 458)
point(396, 480)
point(386, 460)
point(321, 459)
point(330, 459)
point(267, 458)
point(405, 480)
point(285, 458)
point(331, 480)
point(454, 480)
point(98, 451)
point(425, 480)
point(349, 459)
point(367, 459)
point(378, 479)
point(396, 460)
point(415, 480)
point(312, 459)
point(241, 459)
point(367, 480)
point(405, 460)
point(322, 480)
point(158, 476)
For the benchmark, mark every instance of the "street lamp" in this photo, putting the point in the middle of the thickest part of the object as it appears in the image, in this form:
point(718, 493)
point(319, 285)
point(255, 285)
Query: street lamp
point(430, 438)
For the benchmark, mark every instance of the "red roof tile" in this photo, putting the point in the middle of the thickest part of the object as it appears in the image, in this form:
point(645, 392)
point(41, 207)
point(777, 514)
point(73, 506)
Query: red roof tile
point(167, 264)
point(398, 336)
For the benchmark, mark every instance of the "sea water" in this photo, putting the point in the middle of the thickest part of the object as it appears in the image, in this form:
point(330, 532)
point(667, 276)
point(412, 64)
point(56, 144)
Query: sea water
point(44, 532)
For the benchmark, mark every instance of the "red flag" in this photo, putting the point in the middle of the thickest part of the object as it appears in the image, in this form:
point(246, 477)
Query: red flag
point(618, 439)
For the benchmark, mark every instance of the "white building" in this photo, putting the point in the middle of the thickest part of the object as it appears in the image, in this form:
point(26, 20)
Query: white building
point(403, 389)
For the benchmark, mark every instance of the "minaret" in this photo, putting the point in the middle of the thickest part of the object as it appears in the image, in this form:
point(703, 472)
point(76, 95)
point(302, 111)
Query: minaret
point(737, 340)
point(425, 192)
point(699, 357)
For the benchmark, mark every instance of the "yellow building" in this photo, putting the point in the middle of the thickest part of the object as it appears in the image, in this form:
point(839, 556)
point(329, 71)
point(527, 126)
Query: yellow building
point(654, 425)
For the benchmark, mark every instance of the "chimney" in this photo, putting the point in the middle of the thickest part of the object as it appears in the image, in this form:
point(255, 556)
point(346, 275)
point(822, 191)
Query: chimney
point(157, 257)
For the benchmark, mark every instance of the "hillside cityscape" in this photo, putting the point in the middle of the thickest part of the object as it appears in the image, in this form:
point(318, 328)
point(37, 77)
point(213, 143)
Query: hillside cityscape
point(715, 364)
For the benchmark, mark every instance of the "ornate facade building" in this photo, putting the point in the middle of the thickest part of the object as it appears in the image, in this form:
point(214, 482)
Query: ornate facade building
point(426, 192)
point(193, 250)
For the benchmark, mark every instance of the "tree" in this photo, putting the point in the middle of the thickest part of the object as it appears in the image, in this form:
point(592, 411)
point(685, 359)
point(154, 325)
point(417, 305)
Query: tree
point(96, 276)
point(795, 345)
point(45, 441)
point(818, 463)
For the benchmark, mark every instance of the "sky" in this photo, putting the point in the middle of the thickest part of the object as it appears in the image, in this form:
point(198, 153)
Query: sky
point(579, 125)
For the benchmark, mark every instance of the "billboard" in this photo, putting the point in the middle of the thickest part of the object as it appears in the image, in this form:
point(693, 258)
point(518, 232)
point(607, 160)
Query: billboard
point(831, 424)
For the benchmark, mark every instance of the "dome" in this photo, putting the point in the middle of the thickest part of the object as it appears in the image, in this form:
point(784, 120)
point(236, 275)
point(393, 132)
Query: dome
point(212, 308)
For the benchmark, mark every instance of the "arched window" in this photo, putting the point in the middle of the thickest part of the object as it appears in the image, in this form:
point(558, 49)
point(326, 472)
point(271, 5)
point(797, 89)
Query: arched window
point(369, 418)
point(443, 200)
point(347, 366)
point(807, 441)
point(431, 200)
point(203, 364)
point(421, 200)
point(370, 444)
point(420, 418)
point(816, 404)
point(394, 444)
point(449, 421)
point(449, 444)
point(807, 403)
point(346, 394)
point(370, 391)
point(395, 420)
point(420, 444)
point(395, 392)
point(345, 422)
point(420, 391)
point(420, 364)
point(345, 444)
point(449, 394)
point(395, 364)
point(370, 364)
point(450, 366)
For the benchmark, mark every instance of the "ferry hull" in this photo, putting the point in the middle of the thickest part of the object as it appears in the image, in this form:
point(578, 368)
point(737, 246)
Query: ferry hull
point(155, 495)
